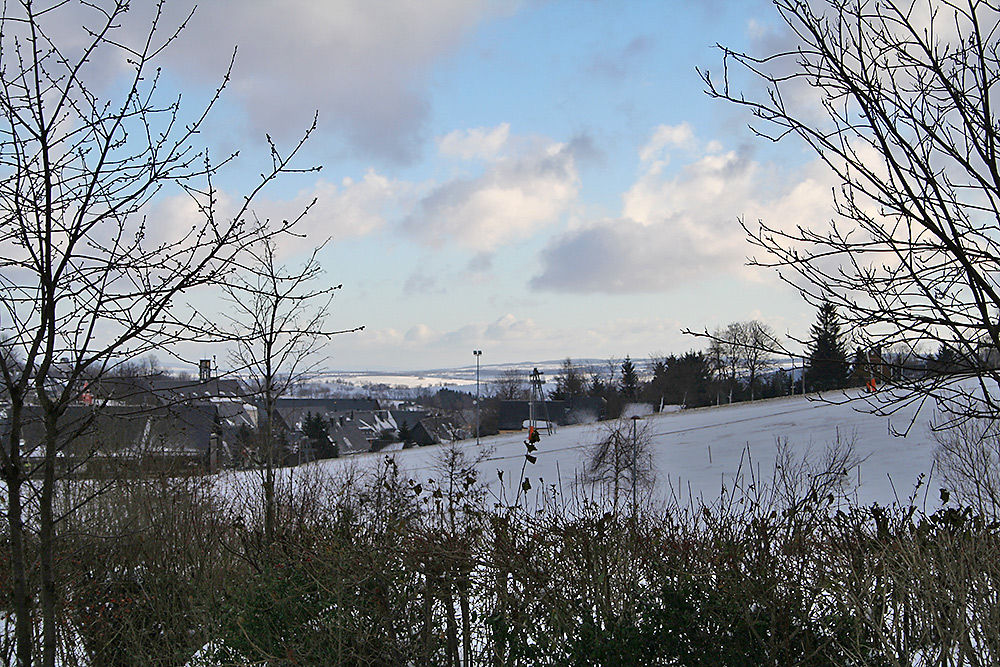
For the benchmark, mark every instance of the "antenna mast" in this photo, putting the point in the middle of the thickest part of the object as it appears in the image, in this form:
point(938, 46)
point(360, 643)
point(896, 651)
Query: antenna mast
point(537, 395)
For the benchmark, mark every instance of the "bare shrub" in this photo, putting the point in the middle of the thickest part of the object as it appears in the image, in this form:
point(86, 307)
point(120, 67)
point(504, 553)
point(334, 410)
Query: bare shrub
point(374, 567)
point(621, 461)
point(913, 589)
point(143, 566)
point(968, 460)
point(801, 477)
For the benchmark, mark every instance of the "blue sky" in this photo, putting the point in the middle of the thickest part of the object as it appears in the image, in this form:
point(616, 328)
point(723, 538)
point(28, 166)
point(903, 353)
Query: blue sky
point(533, 179)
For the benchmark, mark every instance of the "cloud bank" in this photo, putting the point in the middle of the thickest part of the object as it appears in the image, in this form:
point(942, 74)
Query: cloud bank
point(682, 224)
point(363, 65)
point(525, 185)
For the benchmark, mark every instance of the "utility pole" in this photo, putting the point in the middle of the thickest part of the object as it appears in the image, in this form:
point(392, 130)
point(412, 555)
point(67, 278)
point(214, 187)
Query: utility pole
point(478, 354)
point(635, 466)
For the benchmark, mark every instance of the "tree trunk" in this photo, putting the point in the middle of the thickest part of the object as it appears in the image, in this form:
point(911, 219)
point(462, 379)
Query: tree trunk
point(21, 597)
point(463, 598)
point(46, 555)
point(47, 532)
point(269, 494)
point(269, 501)
point(451, 623)
point(428, 633)
point(18, 566)
point(500, 627)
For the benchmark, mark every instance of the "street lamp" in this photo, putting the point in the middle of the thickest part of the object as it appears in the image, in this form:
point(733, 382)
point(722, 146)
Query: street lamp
point(635, 466)
point(478, 354)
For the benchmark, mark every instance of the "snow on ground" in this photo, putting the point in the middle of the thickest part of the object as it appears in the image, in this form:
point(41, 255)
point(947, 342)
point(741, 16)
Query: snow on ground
point(459, 377)
point(696, 452)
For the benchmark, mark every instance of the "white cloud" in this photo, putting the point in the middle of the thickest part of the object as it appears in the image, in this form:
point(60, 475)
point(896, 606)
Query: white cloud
point(355, 208)
point(510, 327)
point(420, 334)
point(524, 185)
point(362, 64)
point(509, 338)
point(424, 346)
point(680, 227)
point(665, 137)
point(480, 143)
point(173, 218)
point(514, 197)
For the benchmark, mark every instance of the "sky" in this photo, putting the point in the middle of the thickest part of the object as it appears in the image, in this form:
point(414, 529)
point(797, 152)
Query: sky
point(533, 179)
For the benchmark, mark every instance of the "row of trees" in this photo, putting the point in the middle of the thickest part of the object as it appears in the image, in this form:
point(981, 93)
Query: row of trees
point(740, 363)
point(688, 379)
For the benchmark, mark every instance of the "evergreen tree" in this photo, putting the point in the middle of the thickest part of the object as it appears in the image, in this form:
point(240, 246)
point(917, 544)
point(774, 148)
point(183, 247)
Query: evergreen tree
point(629, 380)
point(598, 388)
point(656, 389)
point(945, 361)
point(860, 372)
point(828, 367)
point(405, 434)
point(779, 384)
point(570, 383)
point(684, 380)
point(315, 428)
point(691, 380)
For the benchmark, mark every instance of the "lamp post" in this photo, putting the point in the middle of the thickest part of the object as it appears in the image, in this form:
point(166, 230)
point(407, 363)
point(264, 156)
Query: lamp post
point(478, 354)
point(635, 466)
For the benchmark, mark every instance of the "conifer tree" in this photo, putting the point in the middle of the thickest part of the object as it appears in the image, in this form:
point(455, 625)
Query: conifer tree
point(570, 383)
point(828, 367)
point(629, 380)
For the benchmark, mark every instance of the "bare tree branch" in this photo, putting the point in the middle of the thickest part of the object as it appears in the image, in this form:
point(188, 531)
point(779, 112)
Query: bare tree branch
point(900, 108)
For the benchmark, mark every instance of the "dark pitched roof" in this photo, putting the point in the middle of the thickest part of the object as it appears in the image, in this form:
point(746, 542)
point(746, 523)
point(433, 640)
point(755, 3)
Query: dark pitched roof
point(329, 404)
point(578, 410)
point(124, 429)
point(160, 389)
point(175, 388)
point(349, 438)
point(408, 417)
point(435, 429)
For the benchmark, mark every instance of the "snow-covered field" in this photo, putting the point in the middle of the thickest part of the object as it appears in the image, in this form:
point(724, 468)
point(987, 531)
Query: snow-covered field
point(698, 452)
point(459, 377)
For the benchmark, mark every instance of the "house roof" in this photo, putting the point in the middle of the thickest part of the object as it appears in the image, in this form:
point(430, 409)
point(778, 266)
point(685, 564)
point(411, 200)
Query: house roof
point(215, 388)
point(409, 417)
point(438, 428)
point(125, 429)
point(578, 410)
point(160, 389)
point(329, 404)
point(349, 438)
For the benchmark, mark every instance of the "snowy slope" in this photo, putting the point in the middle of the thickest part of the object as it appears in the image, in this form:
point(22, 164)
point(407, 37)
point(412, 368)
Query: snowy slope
point(696, 452)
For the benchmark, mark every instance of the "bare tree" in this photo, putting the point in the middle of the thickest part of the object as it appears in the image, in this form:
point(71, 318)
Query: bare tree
point(511, 385)
point(278, 323)
point(84, 282)
point(901, 110)
point(570, 382)
point(622, 460)
point(741, 350)
point(724, 361)
point(968, 457)
point(756, 343)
